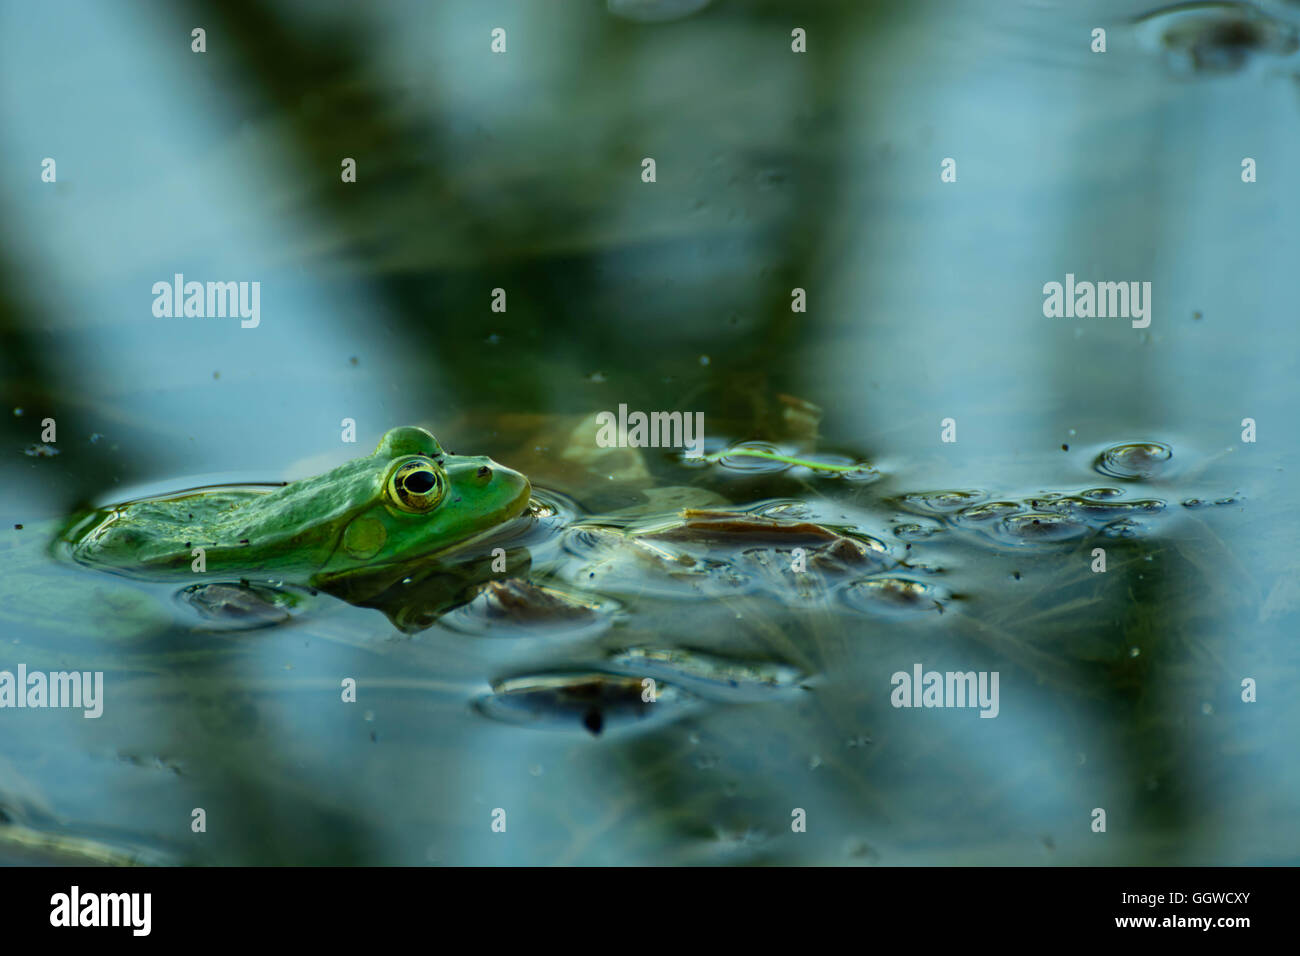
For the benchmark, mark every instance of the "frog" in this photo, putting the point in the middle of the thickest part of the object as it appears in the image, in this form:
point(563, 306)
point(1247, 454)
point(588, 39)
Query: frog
point(368, 519)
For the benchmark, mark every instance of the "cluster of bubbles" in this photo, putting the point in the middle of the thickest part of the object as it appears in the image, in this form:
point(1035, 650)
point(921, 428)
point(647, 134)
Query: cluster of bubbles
point(783, 550)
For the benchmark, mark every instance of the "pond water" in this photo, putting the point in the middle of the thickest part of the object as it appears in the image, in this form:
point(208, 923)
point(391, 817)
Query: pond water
point(775, 737)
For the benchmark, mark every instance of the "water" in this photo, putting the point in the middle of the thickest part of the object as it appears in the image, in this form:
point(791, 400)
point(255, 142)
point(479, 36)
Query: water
point(821, 171)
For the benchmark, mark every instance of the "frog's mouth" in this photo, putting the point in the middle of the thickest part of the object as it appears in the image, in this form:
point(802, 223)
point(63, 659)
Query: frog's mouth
point(506, 528)
point(72, 538)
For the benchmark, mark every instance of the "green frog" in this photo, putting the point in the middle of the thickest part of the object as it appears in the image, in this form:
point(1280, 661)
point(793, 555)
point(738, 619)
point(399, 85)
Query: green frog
point(408, 500)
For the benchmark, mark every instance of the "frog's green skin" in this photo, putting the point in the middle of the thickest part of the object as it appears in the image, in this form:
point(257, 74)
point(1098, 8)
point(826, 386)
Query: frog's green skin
point(317, 531)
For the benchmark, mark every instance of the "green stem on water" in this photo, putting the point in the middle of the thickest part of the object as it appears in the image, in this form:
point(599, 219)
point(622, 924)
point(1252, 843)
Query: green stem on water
point(773, 456)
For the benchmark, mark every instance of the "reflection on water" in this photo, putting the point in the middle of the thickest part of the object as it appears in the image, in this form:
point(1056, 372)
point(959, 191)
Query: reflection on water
point(678, 654)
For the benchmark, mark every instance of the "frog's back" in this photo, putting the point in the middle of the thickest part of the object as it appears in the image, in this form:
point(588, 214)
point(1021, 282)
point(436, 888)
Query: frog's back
point(157, 534)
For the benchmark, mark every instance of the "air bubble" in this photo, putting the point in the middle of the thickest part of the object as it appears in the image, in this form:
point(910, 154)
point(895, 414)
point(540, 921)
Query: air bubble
point(1043, 526)
point(1133, 461)
point(943, 502)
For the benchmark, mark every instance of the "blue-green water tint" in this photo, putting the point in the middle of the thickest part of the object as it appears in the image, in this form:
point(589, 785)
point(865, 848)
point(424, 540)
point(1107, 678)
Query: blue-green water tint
point(775, 170)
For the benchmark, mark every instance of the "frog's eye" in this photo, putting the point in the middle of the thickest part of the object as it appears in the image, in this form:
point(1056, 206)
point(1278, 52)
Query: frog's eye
point(417, 486)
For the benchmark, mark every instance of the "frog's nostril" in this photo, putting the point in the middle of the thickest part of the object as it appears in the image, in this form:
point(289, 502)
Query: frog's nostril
point(484, 472)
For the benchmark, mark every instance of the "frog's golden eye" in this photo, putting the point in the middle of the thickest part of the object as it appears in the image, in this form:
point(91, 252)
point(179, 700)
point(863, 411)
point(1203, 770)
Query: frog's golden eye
point(417, 486)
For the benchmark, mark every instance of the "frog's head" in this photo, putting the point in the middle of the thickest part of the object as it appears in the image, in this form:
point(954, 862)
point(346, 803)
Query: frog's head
point(414, 499)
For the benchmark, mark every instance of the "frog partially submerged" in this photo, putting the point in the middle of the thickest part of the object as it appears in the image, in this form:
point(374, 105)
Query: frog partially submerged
point(369, 518)
point(415, 532)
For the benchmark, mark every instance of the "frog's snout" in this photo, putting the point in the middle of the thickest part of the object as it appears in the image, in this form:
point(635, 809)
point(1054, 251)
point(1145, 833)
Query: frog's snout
point(512, 484)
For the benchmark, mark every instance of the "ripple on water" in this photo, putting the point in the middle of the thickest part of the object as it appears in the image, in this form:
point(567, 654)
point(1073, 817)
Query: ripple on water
point(915, 531)
point(943, 502)
point(709, 675)
point(1215, 38)
point(612, 560)
point(1124, 528)
point(1208, 503)
point(515, 607)
point(239, 606)
point(594, 701)
point(1093, 509)
point(895, 597)
point(990, 510)
point(1134, 461)
point(751, 464)
point(1047, 518)
point(1042, 526)
point(708, 553)
point(547, 515)
point(1102, 494)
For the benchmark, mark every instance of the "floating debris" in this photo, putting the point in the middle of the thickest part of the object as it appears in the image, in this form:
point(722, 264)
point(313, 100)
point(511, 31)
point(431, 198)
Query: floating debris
point(758, 457)
point(594, 701)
